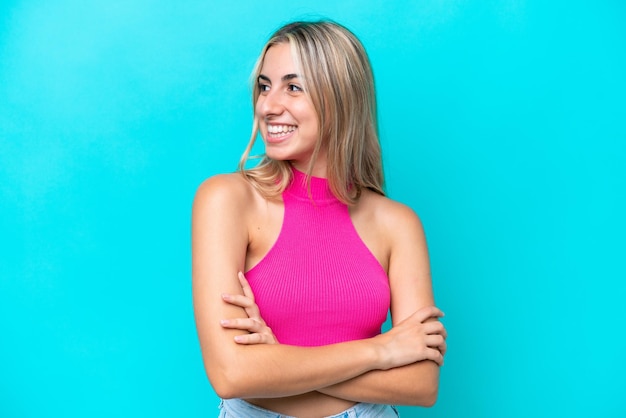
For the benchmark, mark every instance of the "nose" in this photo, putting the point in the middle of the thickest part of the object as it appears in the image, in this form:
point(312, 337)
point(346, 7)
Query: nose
point(270, 103)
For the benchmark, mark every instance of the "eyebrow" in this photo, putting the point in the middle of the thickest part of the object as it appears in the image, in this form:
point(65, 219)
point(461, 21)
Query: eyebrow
point(286, 77)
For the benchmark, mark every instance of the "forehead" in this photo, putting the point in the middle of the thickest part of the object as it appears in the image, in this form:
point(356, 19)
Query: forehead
point(278, 60)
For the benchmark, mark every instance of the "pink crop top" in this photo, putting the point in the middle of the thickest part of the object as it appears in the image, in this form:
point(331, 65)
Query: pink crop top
point(319, 284)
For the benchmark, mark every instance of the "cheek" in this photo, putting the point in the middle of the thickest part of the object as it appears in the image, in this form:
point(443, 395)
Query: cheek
point(307, 113)
point(258, 114)
point(258, 106)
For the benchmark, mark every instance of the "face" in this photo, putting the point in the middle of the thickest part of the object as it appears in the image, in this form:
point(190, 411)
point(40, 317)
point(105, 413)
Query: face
point(288, 121)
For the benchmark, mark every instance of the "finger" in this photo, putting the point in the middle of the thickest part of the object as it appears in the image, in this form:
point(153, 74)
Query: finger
point(244, 324)
point(250, 339)
point(428, 312)
point(434, 355)
point(443, 348)
point(247, 290)
point(435, 327)
point(250, 306)
point(444, 332)
point(253, 309)
point(434, 341)
point(238, 300)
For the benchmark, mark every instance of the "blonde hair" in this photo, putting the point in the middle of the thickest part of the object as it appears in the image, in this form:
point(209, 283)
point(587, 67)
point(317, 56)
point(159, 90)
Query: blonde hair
point(338, 78)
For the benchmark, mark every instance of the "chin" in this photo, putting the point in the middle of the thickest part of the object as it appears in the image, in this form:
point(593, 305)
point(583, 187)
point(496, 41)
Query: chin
point(279, 156)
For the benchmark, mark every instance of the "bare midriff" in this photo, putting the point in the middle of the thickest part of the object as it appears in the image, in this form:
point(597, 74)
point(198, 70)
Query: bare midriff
point(307, 405)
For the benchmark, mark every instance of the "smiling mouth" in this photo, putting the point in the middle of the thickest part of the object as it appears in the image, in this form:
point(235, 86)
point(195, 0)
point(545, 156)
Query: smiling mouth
point(279, 131)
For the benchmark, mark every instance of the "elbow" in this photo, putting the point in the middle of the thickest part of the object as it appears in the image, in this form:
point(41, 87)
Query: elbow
point(223, 390)
point(225, 393)
point(227, 384)
point(228, 375)
point(426, 394)
point(429, 398)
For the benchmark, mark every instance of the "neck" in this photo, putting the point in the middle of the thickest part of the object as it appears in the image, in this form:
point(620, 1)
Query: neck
point(313, 187)
point(319, 167)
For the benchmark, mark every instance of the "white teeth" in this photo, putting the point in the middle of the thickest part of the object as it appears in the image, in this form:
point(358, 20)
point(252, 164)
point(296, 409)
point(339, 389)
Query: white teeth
point(276, 129)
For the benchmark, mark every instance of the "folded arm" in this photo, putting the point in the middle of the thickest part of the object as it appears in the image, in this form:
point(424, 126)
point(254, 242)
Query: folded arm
point(411, 289)
point(414, 384)
point(220, 237)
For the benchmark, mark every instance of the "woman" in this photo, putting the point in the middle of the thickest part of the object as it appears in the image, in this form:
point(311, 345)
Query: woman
point(326, 254)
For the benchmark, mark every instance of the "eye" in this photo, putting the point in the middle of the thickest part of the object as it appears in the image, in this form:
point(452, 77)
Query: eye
point(263, 87)
point(294, 88)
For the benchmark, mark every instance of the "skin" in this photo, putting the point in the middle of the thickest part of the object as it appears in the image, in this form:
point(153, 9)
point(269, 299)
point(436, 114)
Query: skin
point(234, 227)
point(283, 102)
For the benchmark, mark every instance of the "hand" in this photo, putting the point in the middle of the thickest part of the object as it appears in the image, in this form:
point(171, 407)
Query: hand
point(443, 347)
point(259, 332)
point(419, 337)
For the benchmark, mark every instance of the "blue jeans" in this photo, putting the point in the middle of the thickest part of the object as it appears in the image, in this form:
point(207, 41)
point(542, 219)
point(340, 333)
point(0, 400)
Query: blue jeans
point(238, 408)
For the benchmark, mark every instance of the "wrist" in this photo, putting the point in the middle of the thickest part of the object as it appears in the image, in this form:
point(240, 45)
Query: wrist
point(380, 353)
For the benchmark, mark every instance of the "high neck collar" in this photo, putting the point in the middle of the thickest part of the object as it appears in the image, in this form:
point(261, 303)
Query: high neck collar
point(320, 188)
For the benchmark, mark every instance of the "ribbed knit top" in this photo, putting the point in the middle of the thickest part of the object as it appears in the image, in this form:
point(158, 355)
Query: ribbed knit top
point(319, 284)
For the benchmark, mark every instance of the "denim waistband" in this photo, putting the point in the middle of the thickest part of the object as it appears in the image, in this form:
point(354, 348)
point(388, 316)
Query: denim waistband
point(238, 408)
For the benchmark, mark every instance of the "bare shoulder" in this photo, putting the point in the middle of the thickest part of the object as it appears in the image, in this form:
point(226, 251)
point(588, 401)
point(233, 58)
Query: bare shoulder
point(391, 215)
point(229, 191)
point(409, 266)
point(232, 185)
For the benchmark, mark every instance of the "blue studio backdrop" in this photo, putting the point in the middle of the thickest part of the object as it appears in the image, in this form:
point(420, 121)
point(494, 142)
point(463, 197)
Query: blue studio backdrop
point(503, 127)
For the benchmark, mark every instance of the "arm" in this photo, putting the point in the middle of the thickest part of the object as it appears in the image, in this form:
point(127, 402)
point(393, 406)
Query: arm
point(411, 289)
point(414, 384)
point(221, 215)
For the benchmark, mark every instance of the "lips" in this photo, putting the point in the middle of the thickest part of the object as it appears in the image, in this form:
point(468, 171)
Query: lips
point(279, 132)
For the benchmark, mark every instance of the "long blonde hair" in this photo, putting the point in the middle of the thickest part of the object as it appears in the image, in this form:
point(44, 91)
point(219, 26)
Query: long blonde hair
point(339, 80)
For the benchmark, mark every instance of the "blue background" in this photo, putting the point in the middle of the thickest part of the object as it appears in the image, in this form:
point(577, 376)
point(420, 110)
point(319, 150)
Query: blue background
point(503, 126)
